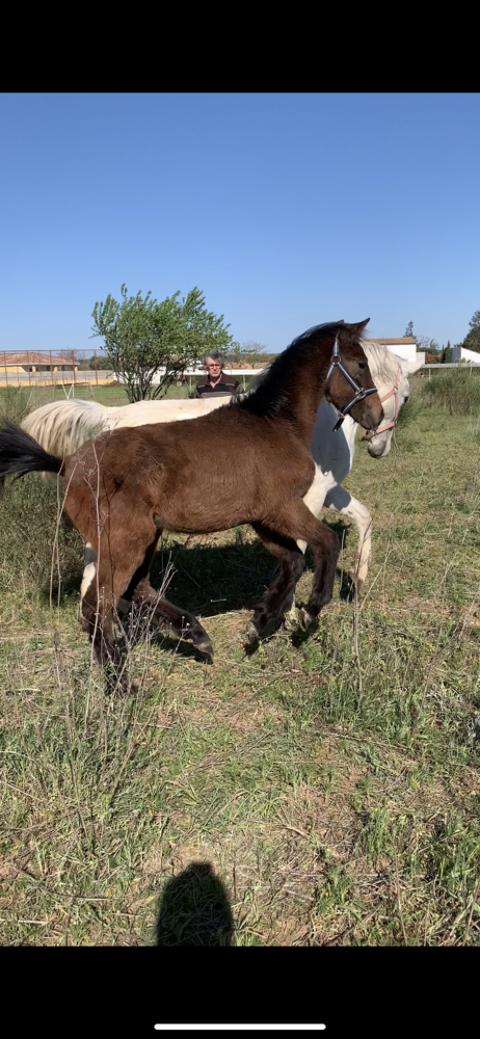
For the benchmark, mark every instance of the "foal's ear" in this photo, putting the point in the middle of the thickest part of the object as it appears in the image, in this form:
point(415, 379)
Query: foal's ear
point(359, 326)
point(351, 333)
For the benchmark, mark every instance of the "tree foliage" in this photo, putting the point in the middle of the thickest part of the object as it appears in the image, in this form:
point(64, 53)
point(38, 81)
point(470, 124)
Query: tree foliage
point(145, 339)
point(472, 338)
point(427, 344)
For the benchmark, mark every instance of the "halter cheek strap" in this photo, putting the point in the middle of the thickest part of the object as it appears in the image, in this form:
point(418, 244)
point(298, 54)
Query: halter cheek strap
point(392, 393)
point(359, 393)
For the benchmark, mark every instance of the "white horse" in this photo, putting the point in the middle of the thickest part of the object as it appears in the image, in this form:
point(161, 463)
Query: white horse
point(62, 426)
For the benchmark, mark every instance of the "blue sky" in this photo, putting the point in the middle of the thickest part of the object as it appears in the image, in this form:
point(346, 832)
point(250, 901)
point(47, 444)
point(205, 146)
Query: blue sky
point(285, 209)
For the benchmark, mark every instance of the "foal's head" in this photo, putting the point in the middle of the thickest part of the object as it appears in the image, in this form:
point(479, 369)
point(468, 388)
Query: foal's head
point(339, 392)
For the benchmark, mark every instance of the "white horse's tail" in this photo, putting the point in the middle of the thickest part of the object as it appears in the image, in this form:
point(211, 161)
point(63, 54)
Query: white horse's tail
point(64, 425)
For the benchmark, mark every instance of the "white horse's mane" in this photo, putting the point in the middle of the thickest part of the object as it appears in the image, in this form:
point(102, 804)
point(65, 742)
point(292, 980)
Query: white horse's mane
point(383, 363)
point(61, 426)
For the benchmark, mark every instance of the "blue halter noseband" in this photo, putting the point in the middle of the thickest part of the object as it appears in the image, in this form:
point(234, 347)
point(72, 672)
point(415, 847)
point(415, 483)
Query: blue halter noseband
point(359, 395)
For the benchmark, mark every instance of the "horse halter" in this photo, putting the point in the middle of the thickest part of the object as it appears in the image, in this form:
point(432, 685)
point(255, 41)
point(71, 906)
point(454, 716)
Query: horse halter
point(393, 393)
point(359, 395)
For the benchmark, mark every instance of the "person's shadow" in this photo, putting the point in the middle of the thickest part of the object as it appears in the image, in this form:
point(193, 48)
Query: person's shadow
point(194, 909)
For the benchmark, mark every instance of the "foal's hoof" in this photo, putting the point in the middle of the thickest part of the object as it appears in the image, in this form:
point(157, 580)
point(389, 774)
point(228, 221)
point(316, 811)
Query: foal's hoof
point(306, 620)
point(120, 686)
point(206, 649)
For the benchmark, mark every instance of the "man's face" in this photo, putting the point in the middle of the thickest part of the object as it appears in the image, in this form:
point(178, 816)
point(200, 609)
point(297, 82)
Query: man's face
point(214, 368)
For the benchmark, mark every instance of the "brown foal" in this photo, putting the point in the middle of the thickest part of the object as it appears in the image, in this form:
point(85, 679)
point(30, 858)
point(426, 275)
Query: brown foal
point(122, 489)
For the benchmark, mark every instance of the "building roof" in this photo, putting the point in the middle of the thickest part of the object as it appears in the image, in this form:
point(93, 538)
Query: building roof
point(31, 357)
point(391, 342)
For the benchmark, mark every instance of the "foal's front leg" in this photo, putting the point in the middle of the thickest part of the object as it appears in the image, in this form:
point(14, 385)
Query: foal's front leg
point(272, 605)
point(314, 499)
point(300, 524)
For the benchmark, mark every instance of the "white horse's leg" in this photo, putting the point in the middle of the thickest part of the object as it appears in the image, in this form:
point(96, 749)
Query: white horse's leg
point(314, 500)
point(341, 501)
point(89, 571)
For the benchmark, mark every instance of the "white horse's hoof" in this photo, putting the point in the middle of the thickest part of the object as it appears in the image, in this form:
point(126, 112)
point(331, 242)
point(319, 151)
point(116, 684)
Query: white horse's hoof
point(305, 619)
point(356, 580)
point(252, 635)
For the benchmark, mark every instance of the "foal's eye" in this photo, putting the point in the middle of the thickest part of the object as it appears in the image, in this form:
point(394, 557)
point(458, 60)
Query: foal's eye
point(362, 364)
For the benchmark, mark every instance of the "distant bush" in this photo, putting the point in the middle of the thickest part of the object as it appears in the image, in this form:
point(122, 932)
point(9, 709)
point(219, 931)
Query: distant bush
point(15, 403)
point(456, 390)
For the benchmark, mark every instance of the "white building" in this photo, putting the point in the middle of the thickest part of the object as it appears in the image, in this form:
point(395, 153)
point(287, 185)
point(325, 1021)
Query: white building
point(459, 353)
point(404, 346)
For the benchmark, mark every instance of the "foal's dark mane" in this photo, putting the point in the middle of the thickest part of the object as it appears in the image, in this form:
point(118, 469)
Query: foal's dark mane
point(272, 395)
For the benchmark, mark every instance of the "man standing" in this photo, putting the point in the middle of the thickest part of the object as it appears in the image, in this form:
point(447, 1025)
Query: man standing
point(216, 384)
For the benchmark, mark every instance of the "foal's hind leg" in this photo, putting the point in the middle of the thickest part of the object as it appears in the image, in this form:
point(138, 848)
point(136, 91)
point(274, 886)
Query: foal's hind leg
point(97, 614)
point(161, 612)
point(164, 614)
point(271, 606)
point(107, 578)
point(140, 592)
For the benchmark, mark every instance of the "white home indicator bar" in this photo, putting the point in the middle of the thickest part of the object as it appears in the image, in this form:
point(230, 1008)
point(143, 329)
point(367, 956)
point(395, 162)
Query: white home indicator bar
point(240, 1028)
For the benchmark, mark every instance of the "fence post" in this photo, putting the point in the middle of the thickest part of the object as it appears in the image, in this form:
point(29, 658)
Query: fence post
point(96, 367)
point(73, 366)
point(6, 373)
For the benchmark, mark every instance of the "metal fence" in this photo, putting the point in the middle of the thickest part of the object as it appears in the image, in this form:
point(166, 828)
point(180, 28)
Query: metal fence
point(470, 366)
point(45, 368)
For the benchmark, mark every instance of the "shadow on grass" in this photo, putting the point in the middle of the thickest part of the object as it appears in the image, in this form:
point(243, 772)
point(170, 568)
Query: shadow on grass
point(207, 580)
point(194, 910)
point(214, 579)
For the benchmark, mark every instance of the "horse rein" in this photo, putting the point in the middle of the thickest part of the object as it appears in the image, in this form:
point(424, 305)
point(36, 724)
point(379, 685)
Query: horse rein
point(393, 393)
point(359, 394)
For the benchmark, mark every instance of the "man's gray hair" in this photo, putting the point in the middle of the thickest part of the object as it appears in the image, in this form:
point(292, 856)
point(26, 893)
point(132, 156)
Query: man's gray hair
point(216, 356)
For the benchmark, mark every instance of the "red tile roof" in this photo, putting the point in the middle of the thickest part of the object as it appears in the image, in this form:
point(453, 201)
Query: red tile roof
point(31, 357)
point(391, 342)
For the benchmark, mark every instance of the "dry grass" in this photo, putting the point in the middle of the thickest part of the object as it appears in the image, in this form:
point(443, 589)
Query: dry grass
point(327, 817)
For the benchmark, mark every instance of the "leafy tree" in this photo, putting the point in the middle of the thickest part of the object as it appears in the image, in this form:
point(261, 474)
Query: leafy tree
point(409, 330)
point(253, 347)
point(237, 351)
point(472, 338)
point(429, 345)
point(145, 338)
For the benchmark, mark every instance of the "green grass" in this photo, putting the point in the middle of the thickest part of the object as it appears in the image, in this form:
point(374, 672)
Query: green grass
point(456, 390)
point(326, 813)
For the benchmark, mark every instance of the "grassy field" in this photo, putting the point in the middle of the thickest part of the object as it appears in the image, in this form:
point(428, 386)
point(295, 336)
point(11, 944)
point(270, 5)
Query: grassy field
point(307, 795)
